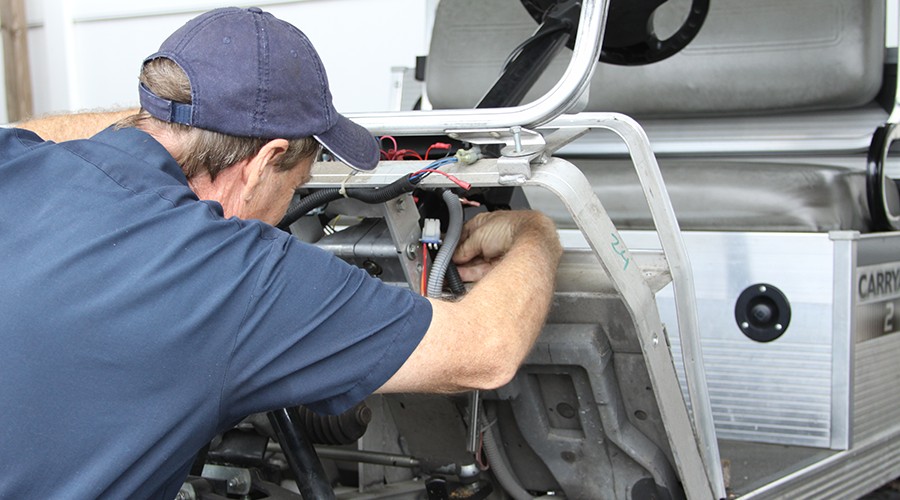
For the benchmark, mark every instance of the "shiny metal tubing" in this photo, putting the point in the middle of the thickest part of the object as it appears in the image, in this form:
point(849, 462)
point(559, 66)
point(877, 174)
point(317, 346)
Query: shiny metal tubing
point(560, 99)
point(366, 457)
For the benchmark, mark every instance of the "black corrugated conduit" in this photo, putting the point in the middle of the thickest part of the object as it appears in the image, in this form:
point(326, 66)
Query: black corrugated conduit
point(454, 281)
point(316, 199)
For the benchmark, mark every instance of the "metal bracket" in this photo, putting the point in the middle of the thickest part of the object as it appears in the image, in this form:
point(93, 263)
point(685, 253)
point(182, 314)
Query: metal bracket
point(557, 139)
point(402, 219)
point(514, 171)
point(519, 141)
point(522, 146)
point(237, 480)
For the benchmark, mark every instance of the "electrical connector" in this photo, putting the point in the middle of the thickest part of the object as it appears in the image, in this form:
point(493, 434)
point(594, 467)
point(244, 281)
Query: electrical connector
point(431, 233)
point(468, 156)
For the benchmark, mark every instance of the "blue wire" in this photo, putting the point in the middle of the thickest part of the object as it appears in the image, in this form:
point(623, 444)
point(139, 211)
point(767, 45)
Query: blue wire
point(433, 166)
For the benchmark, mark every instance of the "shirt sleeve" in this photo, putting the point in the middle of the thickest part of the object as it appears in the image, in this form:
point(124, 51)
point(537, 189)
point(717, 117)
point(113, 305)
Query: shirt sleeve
point(15, 141)
point(319, 332)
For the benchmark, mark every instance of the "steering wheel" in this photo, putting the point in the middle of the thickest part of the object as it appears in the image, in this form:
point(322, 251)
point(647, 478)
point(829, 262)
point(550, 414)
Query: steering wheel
point(883, 191)
point(630, 39)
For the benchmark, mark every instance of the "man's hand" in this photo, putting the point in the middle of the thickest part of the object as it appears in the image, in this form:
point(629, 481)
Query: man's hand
point(488, 237)
point(479, 341)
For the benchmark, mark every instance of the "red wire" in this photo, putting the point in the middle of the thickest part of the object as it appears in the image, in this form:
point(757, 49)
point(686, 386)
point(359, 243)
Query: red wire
point(424, 284)
point(437, 145)
point(460, 183)
point(403, 153)
point(390, 154)
point(391, 139)
point(479, 459)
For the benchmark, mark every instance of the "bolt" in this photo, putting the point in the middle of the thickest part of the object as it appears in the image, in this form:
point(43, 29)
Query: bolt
point(235, 483)
point(517, 137)
point(411, 250)
point(372, 268)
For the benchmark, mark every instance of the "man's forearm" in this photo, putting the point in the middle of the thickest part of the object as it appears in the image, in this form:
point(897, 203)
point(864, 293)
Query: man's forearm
point(67, 127)
point(479, 341)
point(513, 299)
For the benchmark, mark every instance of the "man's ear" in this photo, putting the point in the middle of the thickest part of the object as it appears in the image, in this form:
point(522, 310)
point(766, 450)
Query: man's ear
point(259, 168)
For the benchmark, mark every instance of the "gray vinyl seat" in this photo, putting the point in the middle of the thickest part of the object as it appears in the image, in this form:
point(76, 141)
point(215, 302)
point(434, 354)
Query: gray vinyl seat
point(760, 124)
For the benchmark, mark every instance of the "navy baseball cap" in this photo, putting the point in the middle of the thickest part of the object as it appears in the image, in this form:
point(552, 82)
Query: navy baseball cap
point(254, 75)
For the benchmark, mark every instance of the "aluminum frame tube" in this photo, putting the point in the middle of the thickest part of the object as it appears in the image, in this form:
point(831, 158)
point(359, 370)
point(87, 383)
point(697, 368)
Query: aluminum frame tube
point(560, 99)
point(669, 233)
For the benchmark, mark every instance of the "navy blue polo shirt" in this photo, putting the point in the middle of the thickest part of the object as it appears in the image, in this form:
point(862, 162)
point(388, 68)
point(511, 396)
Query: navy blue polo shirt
point(137, 322)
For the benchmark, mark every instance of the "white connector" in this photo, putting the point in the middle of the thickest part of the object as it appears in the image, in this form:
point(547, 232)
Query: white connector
point(431, 233)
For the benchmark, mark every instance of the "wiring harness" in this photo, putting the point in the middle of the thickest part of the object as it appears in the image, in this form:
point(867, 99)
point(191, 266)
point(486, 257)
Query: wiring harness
point(403, 185)
point(442, 270)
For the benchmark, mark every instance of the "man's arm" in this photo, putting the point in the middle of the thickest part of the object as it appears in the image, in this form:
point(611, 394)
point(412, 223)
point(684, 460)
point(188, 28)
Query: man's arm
point(67, 127)
point(479, 341)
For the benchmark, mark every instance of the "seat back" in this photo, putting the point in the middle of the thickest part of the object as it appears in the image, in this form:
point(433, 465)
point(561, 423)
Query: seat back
point(749, 57)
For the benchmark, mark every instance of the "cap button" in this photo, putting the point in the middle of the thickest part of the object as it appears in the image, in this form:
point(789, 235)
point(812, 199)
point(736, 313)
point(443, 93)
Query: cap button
point(255, 10)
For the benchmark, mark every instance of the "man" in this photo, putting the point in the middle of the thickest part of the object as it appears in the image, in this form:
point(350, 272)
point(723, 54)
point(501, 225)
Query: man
point(148, 303)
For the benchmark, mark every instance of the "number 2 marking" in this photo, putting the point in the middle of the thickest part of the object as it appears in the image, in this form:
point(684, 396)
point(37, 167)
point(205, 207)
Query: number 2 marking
point(889, 317)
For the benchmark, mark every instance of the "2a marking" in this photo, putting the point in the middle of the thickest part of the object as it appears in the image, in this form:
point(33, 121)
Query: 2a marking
point(618, 252)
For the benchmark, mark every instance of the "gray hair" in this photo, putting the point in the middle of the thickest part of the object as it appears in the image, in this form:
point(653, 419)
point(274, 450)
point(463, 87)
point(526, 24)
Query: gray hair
point(200, 150)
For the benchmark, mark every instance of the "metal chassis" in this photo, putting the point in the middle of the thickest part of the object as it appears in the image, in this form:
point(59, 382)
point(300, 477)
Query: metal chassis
point(626, 278)
point(874, 455)
point(532, 133)
point(507, 125)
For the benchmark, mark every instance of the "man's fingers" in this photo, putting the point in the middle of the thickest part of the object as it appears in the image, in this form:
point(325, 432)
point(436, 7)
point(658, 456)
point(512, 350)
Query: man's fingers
point(469, 247)
point(475, 271)
point(487, 234)
point(466, 251)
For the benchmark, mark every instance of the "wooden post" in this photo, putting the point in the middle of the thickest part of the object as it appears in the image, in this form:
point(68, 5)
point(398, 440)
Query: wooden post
point(14, 27)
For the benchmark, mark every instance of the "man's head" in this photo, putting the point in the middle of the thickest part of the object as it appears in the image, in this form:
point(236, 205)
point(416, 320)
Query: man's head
point(253, 75)
point(232, 80)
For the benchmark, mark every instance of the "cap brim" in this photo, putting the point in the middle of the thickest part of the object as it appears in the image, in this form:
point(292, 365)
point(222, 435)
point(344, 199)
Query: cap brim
point(351, 144)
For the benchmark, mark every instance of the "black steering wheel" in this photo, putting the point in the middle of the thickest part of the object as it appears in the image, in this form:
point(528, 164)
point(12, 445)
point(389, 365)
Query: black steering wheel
point(630, 39)
point(883, 191)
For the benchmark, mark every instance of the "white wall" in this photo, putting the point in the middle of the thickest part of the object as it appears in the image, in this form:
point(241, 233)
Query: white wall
point(893, 17)
point(85, 54)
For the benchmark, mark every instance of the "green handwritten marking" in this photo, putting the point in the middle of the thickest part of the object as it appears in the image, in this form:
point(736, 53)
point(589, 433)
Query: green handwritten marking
point(621, 253)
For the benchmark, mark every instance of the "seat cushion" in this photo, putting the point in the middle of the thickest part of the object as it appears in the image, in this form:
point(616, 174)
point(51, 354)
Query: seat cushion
point(728, 195)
